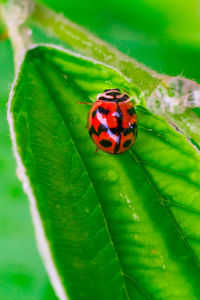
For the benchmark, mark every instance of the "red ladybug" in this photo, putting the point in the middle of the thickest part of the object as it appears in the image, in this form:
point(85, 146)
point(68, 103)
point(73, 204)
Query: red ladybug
point(112, 122)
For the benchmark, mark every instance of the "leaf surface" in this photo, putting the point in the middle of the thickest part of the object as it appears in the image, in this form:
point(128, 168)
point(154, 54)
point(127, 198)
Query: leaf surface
point(117, 226)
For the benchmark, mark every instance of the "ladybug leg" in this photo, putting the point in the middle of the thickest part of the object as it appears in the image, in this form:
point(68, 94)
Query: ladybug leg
point(96, 150)
point(81, 102)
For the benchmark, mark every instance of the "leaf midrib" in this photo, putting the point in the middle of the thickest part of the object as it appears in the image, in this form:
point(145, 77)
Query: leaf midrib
point(63, 118)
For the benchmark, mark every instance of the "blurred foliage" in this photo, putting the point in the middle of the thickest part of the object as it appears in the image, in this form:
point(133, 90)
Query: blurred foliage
point(22, 274)
point(164, 35)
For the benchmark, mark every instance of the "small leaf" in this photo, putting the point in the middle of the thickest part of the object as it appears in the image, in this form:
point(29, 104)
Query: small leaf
point(177, 99)
point(117, 226)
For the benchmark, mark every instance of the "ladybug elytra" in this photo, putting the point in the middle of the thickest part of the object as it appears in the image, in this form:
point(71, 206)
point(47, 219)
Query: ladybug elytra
point(112, 122)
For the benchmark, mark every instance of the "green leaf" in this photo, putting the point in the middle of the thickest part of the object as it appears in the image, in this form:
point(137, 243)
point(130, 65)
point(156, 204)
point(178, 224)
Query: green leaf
point(115, 226)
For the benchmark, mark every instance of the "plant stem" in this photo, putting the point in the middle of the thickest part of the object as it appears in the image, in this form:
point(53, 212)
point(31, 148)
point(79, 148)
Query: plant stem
point(14, 14)
point(85, 43)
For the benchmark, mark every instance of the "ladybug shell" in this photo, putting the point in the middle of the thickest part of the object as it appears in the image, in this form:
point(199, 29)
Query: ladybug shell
point(113, 125)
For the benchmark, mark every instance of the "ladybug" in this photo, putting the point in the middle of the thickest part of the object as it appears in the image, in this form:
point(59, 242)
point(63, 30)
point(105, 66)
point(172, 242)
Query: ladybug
point(112, 122)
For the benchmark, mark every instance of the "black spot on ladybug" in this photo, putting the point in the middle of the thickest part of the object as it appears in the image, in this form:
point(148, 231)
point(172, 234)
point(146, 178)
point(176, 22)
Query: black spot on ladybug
point(106, 143)
point(127, 131)
point(130, 129)
point(101, 128)
point(114, 130)
point(92, 130)
point(131, 111)
point(94, 113)
point(103, 110)
point(127, 143)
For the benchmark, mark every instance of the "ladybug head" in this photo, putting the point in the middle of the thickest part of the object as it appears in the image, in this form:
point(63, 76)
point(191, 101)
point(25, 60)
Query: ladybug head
point(112, 95)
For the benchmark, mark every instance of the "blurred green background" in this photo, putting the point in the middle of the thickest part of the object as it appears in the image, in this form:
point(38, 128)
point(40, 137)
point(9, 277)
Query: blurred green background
point(164, 35)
